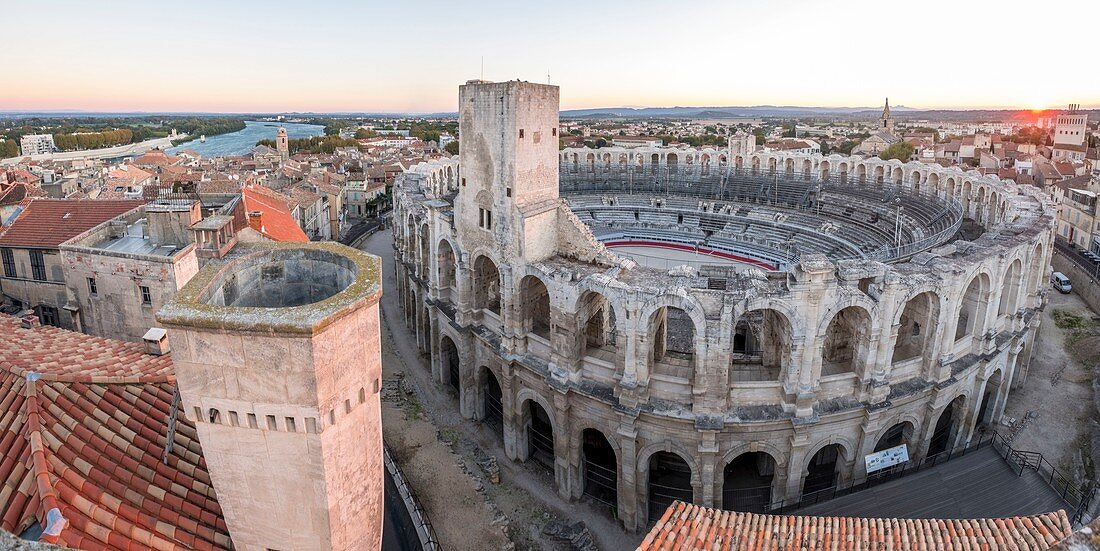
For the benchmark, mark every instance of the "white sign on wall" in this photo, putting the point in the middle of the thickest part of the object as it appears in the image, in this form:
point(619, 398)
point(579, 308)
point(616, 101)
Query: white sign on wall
point(887, 458)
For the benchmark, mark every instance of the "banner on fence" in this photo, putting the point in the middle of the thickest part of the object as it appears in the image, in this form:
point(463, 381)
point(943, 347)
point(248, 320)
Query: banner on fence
point(887, 458)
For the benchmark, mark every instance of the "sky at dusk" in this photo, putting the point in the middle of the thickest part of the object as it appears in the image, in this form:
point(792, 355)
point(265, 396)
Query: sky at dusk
point(410, 56)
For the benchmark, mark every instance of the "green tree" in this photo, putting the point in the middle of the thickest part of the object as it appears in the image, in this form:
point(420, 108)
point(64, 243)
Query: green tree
point(364, 133)
point(452, 148)
point(900, 151)
point(8, 148)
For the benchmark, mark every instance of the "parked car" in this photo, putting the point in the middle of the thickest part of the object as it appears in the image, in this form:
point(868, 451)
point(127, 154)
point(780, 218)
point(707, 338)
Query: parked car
point(1060, 282)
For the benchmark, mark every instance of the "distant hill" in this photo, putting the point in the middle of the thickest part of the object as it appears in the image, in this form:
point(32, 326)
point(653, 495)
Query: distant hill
point(725, 112)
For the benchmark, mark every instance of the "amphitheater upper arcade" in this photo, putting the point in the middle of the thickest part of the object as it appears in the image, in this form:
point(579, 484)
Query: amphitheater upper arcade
point(825, 362)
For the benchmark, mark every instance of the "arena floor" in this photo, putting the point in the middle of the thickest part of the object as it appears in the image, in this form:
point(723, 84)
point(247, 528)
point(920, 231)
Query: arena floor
point(666, 256)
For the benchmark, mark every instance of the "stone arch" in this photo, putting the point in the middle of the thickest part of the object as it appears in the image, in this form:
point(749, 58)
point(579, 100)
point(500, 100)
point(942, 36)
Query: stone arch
point(671, 161)
point(662, 465)
point(970, 319)
point(487, 286)
point(917, 320)
point(536, 427)
point(491, 408)
point(410, 237)
point(847, 342)
point(946, 429)
point(425, 251)
point(788, 166)
point(897, 175)
point(1036, 270)
point(761, 346)
point(675, 330)
point(599, 463)
point(446, 266)
point(596, 320)
point(879, 171)
point(933, 181)
point(748, 482)
point(807, 168)
point(901, 432)
point(450, 363)
point(1010, 289)
point(534, 306)
point(994, 389)
point(824, 467)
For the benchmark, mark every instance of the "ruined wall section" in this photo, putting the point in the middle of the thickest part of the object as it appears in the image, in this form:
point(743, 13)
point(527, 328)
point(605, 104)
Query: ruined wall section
point(576, 241)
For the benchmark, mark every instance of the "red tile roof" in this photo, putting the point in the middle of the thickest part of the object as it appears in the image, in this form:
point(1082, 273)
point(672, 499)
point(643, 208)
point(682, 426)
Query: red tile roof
point(83, 427)
point(692, 527)
point(277, 222)
point(47, 223)
point(17, 192)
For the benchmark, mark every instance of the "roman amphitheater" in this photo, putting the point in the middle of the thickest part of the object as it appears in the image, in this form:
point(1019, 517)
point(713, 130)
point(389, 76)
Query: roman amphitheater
point(723, 326)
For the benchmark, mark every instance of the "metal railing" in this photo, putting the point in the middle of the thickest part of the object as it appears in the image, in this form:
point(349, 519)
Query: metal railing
point(601, 485)
point(424, 529)
point(1073, 255)
point(1077, 497)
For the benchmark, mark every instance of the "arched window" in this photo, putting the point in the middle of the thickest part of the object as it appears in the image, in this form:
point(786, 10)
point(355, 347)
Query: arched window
point(846, 342)
point(486, 285)
point(761, 346)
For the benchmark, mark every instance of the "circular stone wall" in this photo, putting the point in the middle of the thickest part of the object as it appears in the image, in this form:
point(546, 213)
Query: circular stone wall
point(285, 278)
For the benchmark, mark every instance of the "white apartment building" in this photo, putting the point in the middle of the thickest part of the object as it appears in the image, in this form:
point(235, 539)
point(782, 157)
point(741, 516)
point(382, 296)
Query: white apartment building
point(36, 144)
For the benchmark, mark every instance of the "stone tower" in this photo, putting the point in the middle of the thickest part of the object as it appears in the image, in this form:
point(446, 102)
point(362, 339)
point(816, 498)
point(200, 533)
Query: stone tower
point(741, 143)
point(277, 357)
point(282, 144)
point(886, 122)
point(508, 190)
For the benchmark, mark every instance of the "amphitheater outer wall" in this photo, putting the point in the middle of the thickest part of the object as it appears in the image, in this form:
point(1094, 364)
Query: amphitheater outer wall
point(703, 413)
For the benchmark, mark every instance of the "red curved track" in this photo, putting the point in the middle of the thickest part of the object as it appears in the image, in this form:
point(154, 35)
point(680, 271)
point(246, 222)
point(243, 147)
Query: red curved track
point(682, 247)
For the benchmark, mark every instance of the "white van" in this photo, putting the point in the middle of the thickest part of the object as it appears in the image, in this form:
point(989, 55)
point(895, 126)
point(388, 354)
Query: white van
point(1060, 282)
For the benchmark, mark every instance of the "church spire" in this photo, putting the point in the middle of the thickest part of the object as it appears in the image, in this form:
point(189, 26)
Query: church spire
point(886, 122)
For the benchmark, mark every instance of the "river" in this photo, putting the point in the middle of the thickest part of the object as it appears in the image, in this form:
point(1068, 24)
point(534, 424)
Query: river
point(241, 141)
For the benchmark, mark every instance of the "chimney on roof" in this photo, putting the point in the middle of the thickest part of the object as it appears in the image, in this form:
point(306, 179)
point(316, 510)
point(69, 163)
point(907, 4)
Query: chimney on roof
point(28, 320)
point(256, 220)
point(156, 341)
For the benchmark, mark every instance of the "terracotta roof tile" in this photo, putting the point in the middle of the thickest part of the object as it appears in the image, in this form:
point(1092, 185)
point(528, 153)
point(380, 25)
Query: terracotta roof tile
point(278, 224)
point(695, 528)
point(83, 428)
point(47, 223)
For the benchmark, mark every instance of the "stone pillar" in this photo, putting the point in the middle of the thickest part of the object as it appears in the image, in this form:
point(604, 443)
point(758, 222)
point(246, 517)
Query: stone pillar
point(796, 467)
point(512, 419)
point(707, 457)
point(928, 429)
point(468, 385)
point(562, 441)
point(629, 491)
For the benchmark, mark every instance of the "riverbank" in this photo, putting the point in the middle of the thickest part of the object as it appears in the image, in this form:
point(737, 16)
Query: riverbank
point(129, 150)
point(242, 141)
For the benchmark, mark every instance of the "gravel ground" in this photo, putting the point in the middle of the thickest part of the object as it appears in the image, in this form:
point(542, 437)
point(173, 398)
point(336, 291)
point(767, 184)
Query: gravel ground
point(1058, 394)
